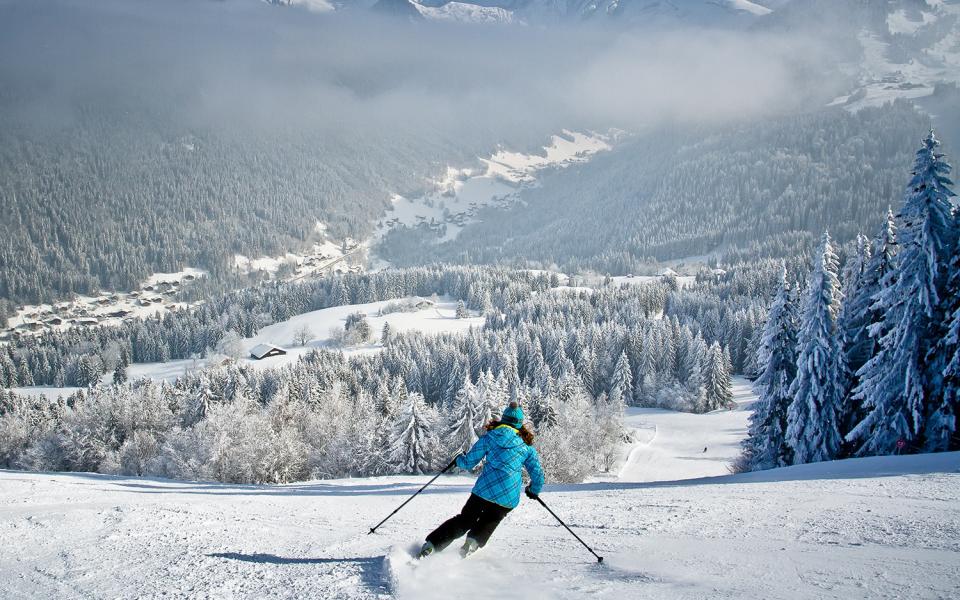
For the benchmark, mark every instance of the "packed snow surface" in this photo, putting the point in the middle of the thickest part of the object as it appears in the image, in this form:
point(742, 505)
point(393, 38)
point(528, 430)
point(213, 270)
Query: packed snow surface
point(672, 527)
point(676, 445)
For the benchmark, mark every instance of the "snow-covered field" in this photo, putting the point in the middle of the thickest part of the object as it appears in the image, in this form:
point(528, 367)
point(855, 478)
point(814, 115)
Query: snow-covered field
point(670, 528)
point(434, 319)
point(462, 192)
point(886, 74)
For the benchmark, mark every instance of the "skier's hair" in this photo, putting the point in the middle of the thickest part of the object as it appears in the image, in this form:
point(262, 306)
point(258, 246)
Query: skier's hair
point(526, 434)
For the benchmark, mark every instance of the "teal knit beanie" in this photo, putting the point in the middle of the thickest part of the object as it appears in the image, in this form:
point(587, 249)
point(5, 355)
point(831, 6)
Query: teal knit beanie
point(512, 416)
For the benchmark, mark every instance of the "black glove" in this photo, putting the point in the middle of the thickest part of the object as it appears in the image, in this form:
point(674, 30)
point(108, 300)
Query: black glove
point(530, 493)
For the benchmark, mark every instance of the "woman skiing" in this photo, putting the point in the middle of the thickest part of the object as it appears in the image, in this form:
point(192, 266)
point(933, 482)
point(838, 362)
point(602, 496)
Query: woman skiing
point(508, 447)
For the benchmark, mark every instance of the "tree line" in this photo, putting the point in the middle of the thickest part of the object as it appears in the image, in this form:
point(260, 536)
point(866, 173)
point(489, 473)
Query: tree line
point(574, 360)
point(868, 364)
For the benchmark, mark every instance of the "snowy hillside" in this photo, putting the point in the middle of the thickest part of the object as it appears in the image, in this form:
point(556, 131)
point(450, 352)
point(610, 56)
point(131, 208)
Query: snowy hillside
point(879, 527)
point(430, 318)
point(454, 201)
point(914, 48)
point(539, 12)
point(464, 12)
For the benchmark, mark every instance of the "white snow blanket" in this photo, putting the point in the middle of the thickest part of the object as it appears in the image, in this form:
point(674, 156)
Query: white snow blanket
point(673, 526)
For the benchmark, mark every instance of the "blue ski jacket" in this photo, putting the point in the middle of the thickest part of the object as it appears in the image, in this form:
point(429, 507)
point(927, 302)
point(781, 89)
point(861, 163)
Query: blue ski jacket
point(506, 453)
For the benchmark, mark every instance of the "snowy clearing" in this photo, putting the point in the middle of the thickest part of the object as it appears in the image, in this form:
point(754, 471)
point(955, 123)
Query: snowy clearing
point(676, 448)
point(431, 319)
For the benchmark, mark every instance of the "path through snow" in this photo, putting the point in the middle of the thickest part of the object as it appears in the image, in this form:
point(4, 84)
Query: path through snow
point(676, 449)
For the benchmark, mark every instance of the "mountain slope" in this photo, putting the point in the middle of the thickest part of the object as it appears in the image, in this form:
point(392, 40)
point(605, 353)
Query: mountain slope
point(879, 527)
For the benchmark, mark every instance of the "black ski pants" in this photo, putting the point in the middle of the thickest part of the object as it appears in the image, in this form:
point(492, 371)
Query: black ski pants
point(478, 518)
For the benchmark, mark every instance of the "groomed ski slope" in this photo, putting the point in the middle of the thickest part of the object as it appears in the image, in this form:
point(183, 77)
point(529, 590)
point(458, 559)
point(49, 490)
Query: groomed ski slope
point(878, 528)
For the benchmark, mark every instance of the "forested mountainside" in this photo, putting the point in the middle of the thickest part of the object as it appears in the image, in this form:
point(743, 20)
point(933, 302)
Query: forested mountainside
point(735, 193)
point(107, 201)
point(144, 137)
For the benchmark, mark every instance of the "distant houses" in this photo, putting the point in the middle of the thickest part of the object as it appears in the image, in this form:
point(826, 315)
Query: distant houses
point(262, 351)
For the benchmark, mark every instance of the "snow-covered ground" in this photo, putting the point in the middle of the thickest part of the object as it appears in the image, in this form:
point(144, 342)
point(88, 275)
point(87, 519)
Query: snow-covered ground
point(674, 526)
point(431, 319)
point(676, 445)
point(868, 528)
point(888, 72)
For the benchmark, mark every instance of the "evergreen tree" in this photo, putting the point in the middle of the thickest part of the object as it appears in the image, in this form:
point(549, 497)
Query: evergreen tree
point(414, 445)
point(860, 315)
point(898, 387)
point(119, 374)
point(719, 393)
point(941, 428)
point(766, 444)
point(621, 382)
point(812, 420)
point(466, 419)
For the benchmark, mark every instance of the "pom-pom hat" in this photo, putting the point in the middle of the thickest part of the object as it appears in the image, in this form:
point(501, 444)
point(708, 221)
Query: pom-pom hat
point(512, 416)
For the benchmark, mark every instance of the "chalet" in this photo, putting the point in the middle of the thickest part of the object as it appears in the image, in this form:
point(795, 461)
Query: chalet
point(668, 272)
point(262, 351)
point(117, 314)
point(54, 321)
point(423, 304)
point(189, 277)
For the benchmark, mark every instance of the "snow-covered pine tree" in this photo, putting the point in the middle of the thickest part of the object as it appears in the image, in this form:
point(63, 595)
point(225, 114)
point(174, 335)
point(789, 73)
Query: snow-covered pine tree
point(898, 387)
point(717, 379)
point(414, 444)
point(621, 381)
point(817, 391)
point(853, 319)
point(941, 426)
point(940, 430)
point(766, 445)
point(860, 315)
point(466, 419)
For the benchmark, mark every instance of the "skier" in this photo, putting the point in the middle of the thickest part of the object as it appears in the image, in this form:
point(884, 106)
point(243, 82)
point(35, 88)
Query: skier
point(508, 447)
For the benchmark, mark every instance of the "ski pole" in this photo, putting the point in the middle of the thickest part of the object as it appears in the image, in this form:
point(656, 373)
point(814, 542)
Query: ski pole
point(396, 510)
point(589, 549)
